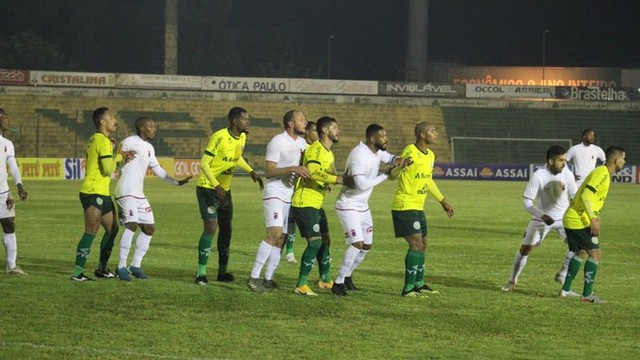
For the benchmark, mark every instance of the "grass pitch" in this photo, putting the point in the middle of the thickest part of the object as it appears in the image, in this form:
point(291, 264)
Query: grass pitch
point(47, 316)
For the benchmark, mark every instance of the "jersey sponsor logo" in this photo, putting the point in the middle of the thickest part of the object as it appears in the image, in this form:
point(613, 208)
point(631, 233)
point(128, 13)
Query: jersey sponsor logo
point(369, 229)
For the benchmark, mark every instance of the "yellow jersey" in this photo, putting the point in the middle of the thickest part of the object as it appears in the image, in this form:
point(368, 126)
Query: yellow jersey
point(97, 178)
point(597, 185)
point(320, 162)
point(416, 181)
point(222, 155)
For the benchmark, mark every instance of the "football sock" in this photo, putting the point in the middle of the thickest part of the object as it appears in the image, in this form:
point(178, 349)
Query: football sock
point(347, 263)
point(308, 259)
point(565, 264)
point(519, 262)
point(142, 246)
point(106, 247)
point(82, 252)
point(590, 270)
point(204, 249)
point(291, 238)
point(264, 250)
point(324, 262)
point(11, 246)
point(419, 282)
point(574, 267)
point(125, 246)
point(274, 261)
point(411, 262)
point(224, 239)
point(359, 258)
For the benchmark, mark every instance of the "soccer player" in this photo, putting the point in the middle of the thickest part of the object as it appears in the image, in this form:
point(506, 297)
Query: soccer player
point(407, 210)
point(7, 209)
point(134, 208)
point(307, 206)
point(310, 136)
point(582, 223)
point(583, 156)
point(352, 206)
point(95, 197)
point(217, 166)
point(282, 171)
point(546, 197)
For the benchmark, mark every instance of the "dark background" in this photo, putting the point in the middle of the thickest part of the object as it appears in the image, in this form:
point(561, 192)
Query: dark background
point(289, 38)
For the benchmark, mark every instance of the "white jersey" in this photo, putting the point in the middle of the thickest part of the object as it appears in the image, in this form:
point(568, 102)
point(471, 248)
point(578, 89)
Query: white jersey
point(583, 159)
point(131, 182)
point(552, 192)
point(7, 154)
point(285, 151)
point(363, 165)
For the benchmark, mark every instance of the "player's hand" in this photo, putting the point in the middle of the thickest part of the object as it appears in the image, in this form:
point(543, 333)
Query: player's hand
point(221, 194)
point(256, 178)
point(577, 177)
point(348, 181)
point(595, 226)
point(184, 181)
point(547, 219)
point(128, 155)
point(10, 203)
point(447, 208)
point(22, 193)
point(301, 171)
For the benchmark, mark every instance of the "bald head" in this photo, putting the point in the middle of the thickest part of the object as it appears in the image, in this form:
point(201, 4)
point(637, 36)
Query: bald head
point(421, 128)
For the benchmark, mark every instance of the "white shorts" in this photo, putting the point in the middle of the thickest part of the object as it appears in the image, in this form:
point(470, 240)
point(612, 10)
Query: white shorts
point(4, 211)
point(136, 210)
point(357, 226)
point(538, 230)
point(276, 213)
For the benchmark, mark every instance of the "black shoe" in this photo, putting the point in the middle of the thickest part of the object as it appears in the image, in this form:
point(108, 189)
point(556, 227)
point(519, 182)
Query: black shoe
point(201, 280)
point(107, 274)
point(81, 278)
point(339, 289)
point(270, 284)
point(350, 285)
point(226, 277)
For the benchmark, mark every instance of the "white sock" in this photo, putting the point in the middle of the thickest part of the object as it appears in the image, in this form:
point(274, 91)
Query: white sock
point(565, 264)
point(519, 263)
point(142, 245)
point(358, 261)
point(347, 263)
point(125, 245)
point(274, 261)
point(11, 246)
point(264, 250)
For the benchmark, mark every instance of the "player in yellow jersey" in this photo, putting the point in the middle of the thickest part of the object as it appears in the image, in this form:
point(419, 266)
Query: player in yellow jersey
point(217, 166)
point(407, 211)
point(582, 223)
point(95, 196)
point(306, 205)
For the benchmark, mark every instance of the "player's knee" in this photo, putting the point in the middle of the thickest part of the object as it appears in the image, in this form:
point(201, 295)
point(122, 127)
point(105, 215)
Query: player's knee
point(148, 229)
point(366, 247)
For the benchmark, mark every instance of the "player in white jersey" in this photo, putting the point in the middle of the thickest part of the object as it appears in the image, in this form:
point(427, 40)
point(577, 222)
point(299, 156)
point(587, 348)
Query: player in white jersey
point(583, 156)
point(283, 169)
point(352, 205)
point(7, 203)
point(134, 208)
point(546, 197)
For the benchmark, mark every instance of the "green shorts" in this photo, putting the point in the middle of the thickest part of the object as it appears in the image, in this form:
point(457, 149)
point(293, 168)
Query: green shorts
point(409, 222)
point(209, 204)
point(581, 239)
point(100, 202)
point(312, 222)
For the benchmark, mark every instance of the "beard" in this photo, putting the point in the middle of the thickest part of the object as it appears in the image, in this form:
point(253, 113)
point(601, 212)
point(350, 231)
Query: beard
point(382, 147)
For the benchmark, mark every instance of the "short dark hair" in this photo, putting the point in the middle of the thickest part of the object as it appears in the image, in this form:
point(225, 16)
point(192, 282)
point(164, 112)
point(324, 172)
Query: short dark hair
point(372, 129)
point(586, 131)
point(140, 122)
point(98, 114)
point(555, 151)
point(310, 125)
point(235, 113)
point(2, 112)
point(613, 152)
point(288, 117)
point(323, 122)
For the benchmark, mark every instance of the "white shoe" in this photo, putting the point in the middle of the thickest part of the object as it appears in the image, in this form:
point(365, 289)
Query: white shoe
point(291, 259)
point(16, 270)
point(509, 286)
point(592, 299)
point(568, 294)
point(559, 278)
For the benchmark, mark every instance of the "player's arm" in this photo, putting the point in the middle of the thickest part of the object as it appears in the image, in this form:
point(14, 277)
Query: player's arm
point(586, 198)
point(435, 192)
point(162, 174)
point(205, 160)
point(317, 173)
point(272, 170)
point(254, 175)
point(15, 173)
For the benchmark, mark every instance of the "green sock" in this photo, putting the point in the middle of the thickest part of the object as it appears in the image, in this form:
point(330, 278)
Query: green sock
point(106, 247)
point(324, 262)
point(82, 253)
point(291, 238)
point(204, 249)
point(574, 267)
point(590, 270)
point(308, 259)
point(420, 271)
point(411, 263)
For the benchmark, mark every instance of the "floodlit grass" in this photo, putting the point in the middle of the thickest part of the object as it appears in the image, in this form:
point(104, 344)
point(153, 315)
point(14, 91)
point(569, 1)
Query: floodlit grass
point(47, 316)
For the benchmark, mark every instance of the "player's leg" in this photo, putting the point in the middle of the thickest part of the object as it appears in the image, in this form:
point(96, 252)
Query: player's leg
point(128, 215)
point(272, 210)
point(324, 254)
point(290, 240)
point(533, 235)
point(143, 240)
point(576, 244)
point(207, 204)
point(590, 272)
point(225, 218)
point(308, 221)
point(562, 273)
point(7, 219)
point(407, 224)
point(352, 225)
point(367, 232)
point(92, 213)
point(111, 228)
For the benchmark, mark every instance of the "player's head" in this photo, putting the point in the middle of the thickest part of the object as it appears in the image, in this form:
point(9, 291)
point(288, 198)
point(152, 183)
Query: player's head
point(239, 119)
point(327, 127)
point(615, 156)
point(310, 132)
point(426, 132)
point(103, 118)
point(377, 136)
point(5, 120)
point(295, 120)
point(145, 127)
point(556, 159)
point(588, 136)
